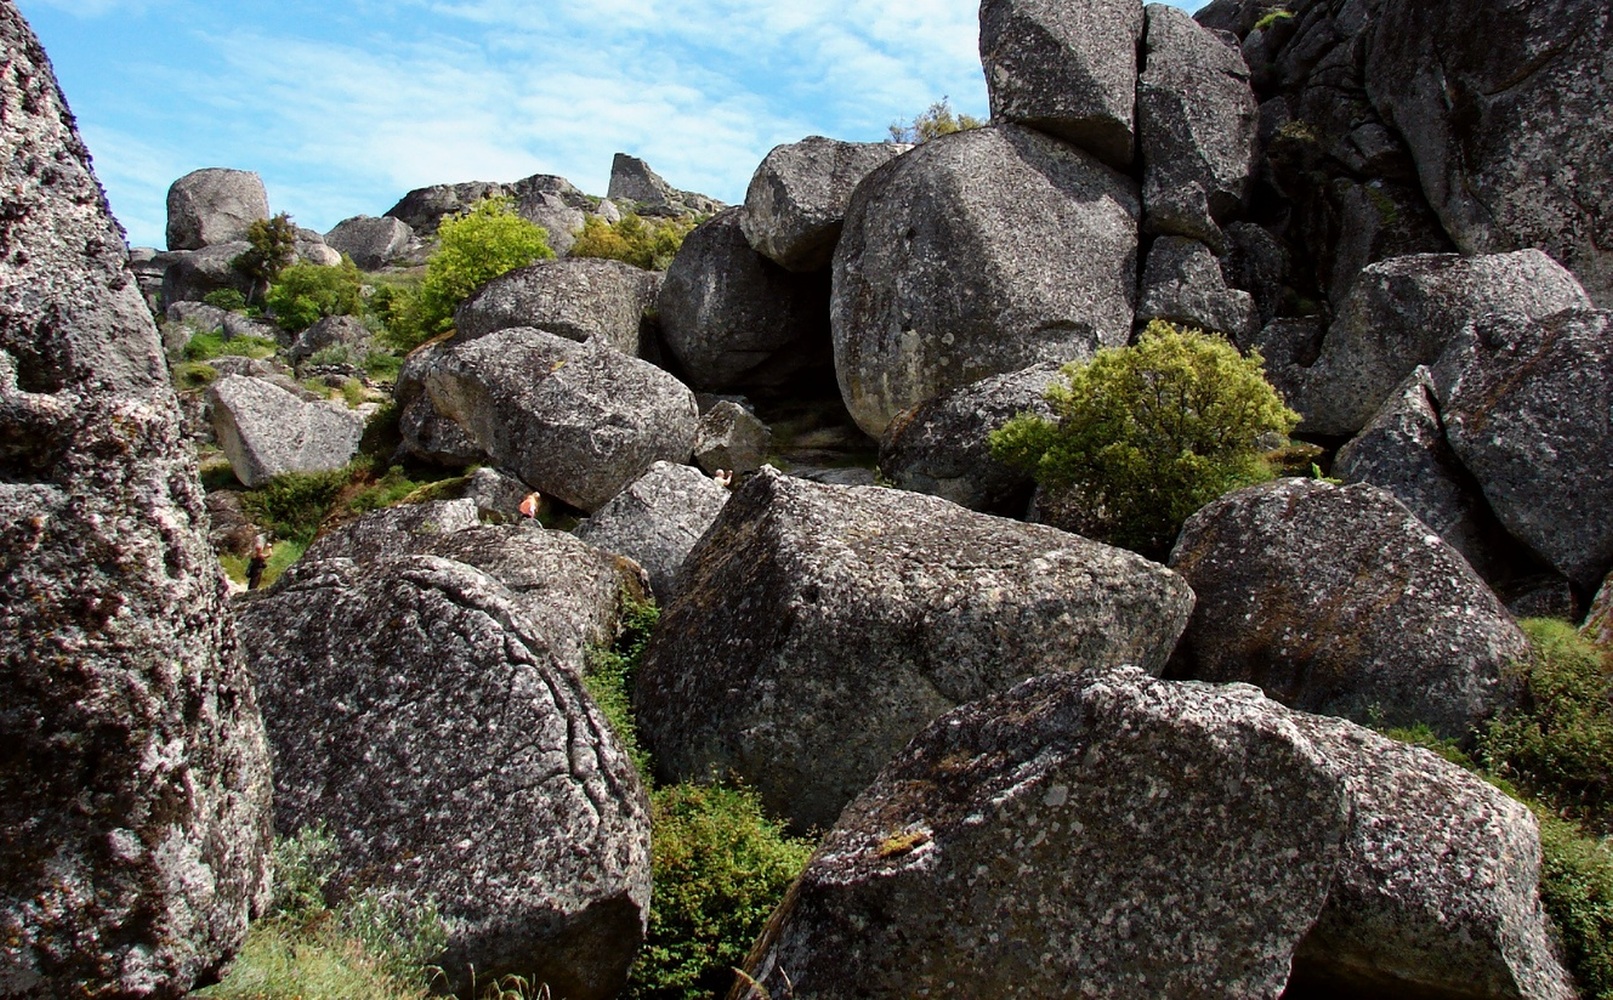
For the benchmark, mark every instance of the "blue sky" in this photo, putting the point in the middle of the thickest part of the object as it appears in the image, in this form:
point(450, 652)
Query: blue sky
point(343, 107)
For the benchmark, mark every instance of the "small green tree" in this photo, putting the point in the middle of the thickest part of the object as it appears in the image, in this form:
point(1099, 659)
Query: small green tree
point(1146, 435)
point(472, 250)
point(306, 293)
point(646, 243)
point(273, 249)
point(939, 120)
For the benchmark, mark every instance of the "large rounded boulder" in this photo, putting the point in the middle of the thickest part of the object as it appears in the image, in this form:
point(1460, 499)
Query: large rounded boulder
point(818, 627)
point(578, 298)
point(797, 199)
point(1336, 600)
point(413, 709)
point(134, 778)
point(976, 254)
point(1110, 834)
point(214, 205)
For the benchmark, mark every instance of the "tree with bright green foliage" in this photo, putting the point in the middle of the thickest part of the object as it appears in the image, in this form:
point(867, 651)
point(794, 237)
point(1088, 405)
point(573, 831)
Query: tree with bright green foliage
point(473, 249)
point(272, 248)
point(647, 243)
point(1144, 436)
point(304, 294)
point(939, 120)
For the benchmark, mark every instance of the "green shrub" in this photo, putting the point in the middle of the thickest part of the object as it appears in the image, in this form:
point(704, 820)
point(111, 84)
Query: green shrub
point(293, 504)
point(226, 298)
point(1558, 746)
point(382, 366)
point(1576, 888)
point(194, 375)
point(207, 346)
point(647, 243)
point(719, 867)
point(334, 354)
point(304, 294)
point(609, 676)
point(1146, 435)
point(273, 249)
point(939, 120)
point(472, 250)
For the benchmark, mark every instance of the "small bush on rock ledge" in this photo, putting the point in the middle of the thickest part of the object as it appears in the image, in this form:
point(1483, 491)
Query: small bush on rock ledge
point(1146, 435)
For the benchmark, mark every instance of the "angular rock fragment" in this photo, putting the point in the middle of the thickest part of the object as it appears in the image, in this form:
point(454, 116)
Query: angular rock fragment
point(1183, 284)
point(372, 243)
point(266, 430)
point(656, 520)
point(577, 298)
point(731, 438)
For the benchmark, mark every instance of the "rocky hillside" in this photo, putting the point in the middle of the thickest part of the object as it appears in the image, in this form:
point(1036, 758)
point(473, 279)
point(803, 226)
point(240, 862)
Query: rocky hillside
point(456, 454)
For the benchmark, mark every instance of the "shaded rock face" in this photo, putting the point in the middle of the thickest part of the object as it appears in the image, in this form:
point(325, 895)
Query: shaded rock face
point(215, 205)
point(134, 783)
point(734, 319)
point(656, 520)
point(1598, 624)
point(1402, 312)
point(1531, 416)
point(796, 202)
point(332, 331)
point(579, 299)
point(1067, 69)
point(977, 254)
point(1196, 120)
point(730, 438)
point(1493, 97)
point(1182, 283)
point(943, 447)
point(575, 421)
point(572, 591)
point(190, 277)
point(413, 707)
point(818, 627)
point(372, 243)
point(1337, 600)
point(1164, 839)
point(266, 430)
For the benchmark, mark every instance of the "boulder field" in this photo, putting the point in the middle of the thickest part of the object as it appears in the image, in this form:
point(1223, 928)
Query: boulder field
point(1039, 765)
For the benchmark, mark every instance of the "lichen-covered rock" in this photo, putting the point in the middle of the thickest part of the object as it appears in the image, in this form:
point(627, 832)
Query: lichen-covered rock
point(942, 447)
point(1402, 312)
point(195, 273)
point(214, 205)
point(577, 298)
point(413, 708)
point(575, 421)
point(818, 627)
point(977, 254)
point(731, 438)
point(1336, 600)
point(1531, 417)
point(371, 243)
point(134, 781)
point(656, 520)
point(331, 331)
point(1068, 69)
point(1196, 121)
point(1111, 834)
point(1504, 106)
point(797, 199)
point(733, 319)
point(1183, 284)
point(266, 430)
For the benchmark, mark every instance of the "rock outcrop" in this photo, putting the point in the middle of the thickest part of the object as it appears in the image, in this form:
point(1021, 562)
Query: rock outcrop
point(214, 205)
point(413, 707)
point(817, 628)
point(1149, 839)
point(134, 788)
point(575, 421)
point(1336, 600)
point(977, 254)
point(632, 180)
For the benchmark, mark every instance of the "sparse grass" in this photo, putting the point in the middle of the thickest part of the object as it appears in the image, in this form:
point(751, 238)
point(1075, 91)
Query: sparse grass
point(194, 375)
point(610, 672)
point(207, 346)
point(1272, 17)
point(383, 366)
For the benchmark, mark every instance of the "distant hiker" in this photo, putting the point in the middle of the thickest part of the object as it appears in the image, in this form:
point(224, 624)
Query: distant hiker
point(257, 562)
point(723, 478)
point(529, 504)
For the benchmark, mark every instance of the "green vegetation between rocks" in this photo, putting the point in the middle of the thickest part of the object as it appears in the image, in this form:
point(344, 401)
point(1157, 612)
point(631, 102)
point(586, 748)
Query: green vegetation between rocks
point(1555, 755)
point(304, 294)
point(472, 250)
point(647, 243)
point(214, 344)
point(273, 248)
point(1146, 435)
point(933, 123)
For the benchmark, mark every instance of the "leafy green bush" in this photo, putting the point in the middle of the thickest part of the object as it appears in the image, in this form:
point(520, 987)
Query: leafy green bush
point(229, 299)
point(939, 120)
point(719, 867)
point(293, 504)
point(273, 249)
point(647, 243)
point(1576, 888)
point(304, 294)
point(1146, 435)
point(1559, 746)
point(207, 346)
point(609, 676)
point(472, 250)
